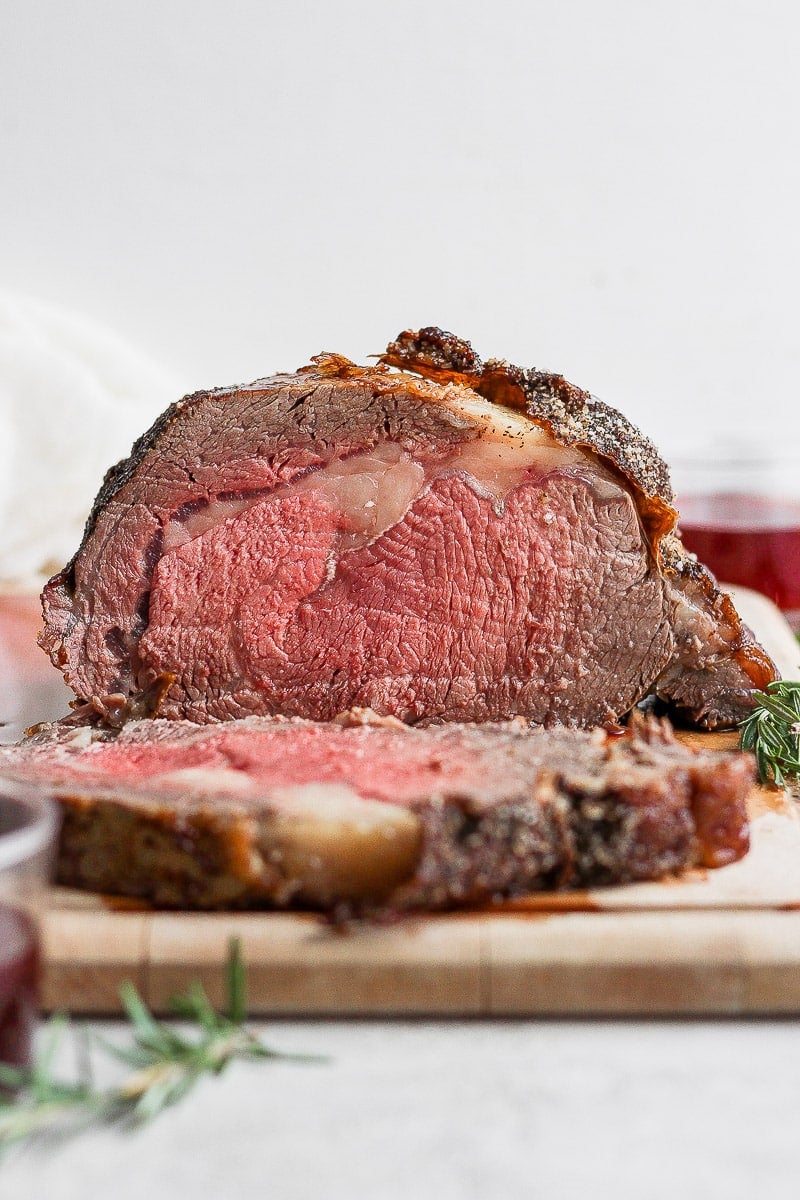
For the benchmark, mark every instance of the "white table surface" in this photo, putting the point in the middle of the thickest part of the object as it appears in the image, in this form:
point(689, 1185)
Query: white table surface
point(463, 1111)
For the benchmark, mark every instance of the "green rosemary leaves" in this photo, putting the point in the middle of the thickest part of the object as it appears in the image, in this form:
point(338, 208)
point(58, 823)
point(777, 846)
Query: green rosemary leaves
point(165, 1064)
point(772, 732)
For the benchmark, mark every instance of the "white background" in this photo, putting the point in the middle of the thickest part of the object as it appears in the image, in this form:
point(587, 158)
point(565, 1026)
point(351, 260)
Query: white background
point(607, 189)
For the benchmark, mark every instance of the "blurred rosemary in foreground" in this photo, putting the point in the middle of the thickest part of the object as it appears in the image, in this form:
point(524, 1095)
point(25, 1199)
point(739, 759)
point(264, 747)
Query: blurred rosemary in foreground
point(772, 732)
point(165, 1064)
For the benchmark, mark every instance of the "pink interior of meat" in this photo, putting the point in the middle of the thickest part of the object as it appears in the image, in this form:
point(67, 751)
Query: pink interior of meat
point(412, 589)
point(471, 579)
point(243, 761)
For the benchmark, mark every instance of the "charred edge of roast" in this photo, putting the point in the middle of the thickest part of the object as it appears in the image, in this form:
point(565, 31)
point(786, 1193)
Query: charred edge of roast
point(118, 475)
point(114, 711)
point(690, 812)
point(688, 573)
point(572, 416)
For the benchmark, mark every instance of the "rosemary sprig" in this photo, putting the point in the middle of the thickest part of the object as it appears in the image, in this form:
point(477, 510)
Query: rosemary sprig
point(166, 1064)
point(772, 732)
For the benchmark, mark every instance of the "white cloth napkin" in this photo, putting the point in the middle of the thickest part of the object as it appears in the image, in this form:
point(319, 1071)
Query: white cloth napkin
point(73, 398)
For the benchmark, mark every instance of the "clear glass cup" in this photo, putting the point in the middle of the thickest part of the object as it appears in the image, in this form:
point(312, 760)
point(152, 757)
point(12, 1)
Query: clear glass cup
point(740, 514)
point(28, 831)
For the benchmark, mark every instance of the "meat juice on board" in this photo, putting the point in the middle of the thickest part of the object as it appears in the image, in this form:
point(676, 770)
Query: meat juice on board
point(750, 540)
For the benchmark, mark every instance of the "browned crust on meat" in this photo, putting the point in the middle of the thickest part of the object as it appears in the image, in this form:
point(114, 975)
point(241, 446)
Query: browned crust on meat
point(688, 680)
point(570, 415)
point(677, 560)
point(118, 475)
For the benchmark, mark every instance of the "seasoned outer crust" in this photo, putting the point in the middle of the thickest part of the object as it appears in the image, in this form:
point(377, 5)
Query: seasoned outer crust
point(572, 416)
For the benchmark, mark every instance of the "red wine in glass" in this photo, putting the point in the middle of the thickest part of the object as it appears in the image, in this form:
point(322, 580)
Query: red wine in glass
point(28, 827)
point(750, 540)
point(19, 968)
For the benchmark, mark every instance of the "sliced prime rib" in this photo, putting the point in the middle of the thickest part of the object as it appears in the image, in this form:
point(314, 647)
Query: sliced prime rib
point(433, 537)
point(367, 814)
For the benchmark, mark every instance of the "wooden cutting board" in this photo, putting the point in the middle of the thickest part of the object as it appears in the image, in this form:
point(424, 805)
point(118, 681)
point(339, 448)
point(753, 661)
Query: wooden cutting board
point(711, 942)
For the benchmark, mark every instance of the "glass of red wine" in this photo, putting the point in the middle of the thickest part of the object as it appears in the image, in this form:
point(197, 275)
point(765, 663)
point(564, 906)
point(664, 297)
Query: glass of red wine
point(741, 516)
point(28, 828)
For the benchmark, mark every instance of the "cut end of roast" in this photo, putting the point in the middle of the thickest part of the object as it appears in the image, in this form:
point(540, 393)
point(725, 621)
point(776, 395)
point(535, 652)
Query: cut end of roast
point(444, 541)
point(367, 815)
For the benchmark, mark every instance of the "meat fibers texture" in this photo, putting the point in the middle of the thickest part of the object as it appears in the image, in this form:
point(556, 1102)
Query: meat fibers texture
point(434, 537)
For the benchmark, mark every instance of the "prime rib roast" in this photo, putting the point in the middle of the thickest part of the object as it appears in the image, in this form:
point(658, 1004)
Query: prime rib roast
point(481, 561)
point(366, 814)
point(433, 537)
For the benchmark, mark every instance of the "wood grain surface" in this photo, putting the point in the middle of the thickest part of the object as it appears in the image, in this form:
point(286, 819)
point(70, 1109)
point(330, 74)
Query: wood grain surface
point(478, 964)
point(724, 942)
